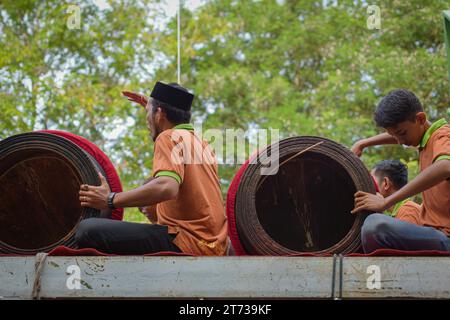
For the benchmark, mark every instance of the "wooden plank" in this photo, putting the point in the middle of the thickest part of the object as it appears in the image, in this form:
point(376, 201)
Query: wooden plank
point(400, 277)
point(171, 277)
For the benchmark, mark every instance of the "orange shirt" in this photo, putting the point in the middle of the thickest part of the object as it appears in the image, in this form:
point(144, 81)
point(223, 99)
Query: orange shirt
point(197, 214)
point(405, 210)
point(435, 146)
point(409, 212)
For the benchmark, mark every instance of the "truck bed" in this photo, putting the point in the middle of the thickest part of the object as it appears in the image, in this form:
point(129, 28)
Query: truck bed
point(123, 277)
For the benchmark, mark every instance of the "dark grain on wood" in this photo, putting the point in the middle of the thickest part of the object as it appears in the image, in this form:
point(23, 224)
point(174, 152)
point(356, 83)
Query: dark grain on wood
point(306, 206)
point(40, 176)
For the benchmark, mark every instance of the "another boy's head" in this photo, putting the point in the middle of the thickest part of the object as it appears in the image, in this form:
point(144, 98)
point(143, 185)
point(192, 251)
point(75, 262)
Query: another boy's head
point(391, 175)
point(401, 114)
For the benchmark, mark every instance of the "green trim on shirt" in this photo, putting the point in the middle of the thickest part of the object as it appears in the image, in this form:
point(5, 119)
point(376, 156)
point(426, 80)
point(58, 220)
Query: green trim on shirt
point(397, 206)
point(186, 126)
point(443, 157)
point(167, 173)
point(431, 130)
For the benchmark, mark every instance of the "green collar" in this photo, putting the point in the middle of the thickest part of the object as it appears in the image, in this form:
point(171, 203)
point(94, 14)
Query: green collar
point(431, 130)
point(397, 206)
point(186, 126)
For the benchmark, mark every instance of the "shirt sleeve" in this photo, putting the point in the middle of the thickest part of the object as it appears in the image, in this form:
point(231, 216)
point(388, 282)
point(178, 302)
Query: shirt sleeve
point(168, 157)
point(441, 147)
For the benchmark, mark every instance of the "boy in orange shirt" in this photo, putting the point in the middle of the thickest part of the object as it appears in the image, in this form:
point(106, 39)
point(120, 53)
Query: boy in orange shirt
point(401, 114)
point(392, 175)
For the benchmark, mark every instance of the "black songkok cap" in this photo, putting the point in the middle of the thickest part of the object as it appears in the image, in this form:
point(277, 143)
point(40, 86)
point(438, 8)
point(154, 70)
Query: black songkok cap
point(172, 94)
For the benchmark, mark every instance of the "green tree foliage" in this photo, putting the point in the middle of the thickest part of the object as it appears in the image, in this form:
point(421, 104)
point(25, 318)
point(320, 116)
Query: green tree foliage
point(54, 77)
point(303, 67)
point(311, 67)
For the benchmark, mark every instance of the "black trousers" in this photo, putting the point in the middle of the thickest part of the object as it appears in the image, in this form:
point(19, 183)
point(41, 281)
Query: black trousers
point(120, 237)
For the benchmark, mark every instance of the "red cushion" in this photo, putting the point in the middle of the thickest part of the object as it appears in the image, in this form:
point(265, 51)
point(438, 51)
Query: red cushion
point(231, 197)
point(66, 251)
point(377, 188)
point(381, 253)
point(396, 253)
point(101, 158)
